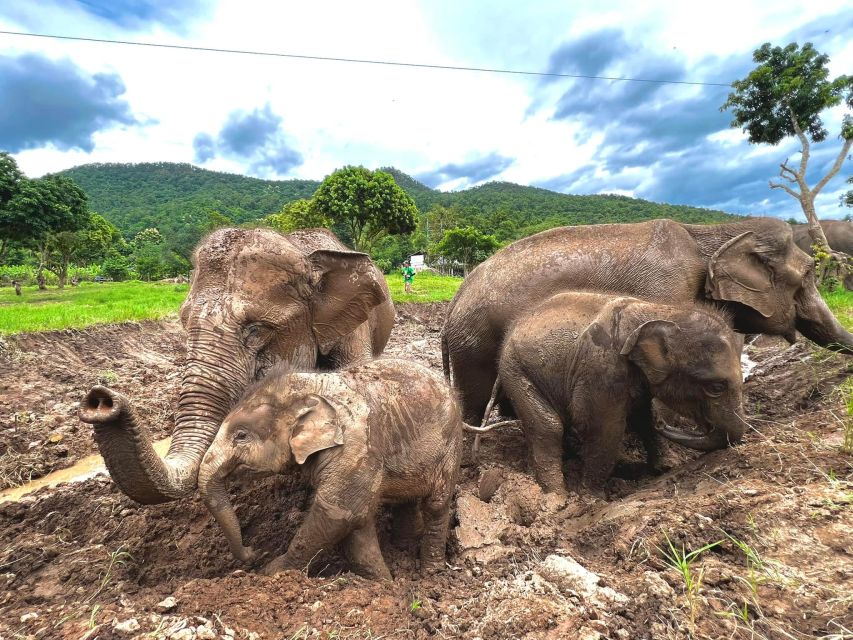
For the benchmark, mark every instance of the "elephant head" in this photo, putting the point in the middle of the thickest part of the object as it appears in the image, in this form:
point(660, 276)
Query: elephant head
point(256, 298)
point(692, 364)
point(767, 282)
point(273, 427)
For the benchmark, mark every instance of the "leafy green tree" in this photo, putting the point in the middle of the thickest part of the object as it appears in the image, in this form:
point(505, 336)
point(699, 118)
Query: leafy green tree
point(299, 214)
point(439, 219)
point(784, 96)
point(116, 267)
point(216, 220)
point(847, 196)
point(10, 184)
point(369, 204)
point(148, 260)
point(467, 246)
point(147, 237)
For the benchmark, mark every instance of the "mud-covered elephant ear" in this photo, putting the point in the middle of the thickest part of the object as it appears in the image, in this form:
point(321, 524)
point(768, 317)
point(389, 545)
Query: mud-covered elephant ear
point(317, 427)
point(346, 289)
point(737, 273)
point(648, 346)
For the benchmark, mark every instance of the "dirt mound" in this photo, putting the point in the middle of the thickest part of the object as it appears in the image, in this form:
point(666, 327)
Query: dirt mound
point(83, 559)
point(44, 375)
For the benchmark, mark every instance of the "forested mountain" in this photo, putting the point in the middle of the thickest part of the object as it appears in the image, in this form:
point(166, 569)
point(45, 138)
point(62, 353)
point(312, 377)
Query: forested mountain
point(177, 198)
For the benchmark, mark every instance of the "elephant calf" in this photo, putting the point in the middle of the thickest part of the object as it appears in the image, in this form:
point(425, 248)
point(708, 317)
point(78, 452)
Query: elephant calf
point(594, 362)
point(386, 431)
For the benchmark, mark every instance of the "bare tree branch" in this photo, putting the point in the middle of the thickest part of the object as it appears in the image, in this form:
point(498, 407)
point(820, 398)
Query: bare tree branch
point(835, 167)
point(804, 141)
point(785, 171)
point(788, 190)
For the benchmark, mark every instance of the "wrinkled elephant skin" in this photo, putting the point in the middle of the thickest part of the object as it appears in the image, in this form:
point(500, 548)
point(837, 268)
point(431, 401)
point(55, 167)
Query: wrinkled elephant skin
point(592, 363)
point(752, 269)
point(257, 298)
point(388, 431)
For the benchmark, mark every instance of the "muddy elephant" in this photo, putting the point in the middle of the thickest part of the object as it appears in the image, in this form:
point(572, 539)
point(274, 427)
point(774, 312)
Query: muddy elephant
point(388, 431)
point(256, 298)
point(586, 365)
point(839, 235)
point(752, 268)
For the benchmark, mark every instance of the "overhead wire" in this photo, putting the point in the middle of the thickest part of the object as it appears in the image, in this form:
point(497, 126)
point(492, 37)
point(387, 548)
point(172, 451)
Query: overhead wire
point(390, 63)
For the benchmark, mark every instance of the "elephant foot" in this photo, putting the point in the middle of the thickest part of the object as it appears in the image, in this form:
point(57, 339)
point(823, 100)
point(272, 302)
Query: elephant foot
point(276, 565)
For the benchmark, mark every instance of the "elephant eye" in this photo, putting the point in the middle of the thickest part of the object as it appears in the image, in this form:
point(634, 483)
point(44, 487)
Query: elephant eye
point(241, 437)
point(715, 389)
point(255, 335)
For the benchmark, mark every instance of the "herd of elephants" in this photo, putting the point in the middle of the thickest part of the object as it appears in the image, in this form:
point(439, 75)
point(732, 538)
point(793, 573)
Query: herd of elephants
point(573, 331)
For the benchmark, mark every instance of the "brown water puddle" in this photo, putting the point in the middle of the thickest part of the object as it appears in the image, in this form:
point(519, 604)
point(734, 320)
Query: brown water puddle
point(84, 469)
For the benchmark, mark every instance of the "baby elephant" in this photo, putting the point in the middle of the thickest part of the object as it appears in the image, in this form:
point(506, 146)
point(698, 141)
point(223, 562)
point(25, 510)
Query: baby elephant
point(593, 363)
point(387, 431)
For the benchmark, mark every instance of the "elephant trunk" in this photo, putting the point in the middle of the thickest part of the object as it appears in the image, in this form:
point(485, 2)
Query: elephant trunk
point(817, 323)
point(718, 436)
point(213, 380)
point(211, 486)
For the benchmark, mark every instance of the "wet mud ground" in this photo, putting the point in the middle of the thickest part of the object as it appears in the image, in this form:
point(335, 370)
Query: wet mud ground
point(83, 561)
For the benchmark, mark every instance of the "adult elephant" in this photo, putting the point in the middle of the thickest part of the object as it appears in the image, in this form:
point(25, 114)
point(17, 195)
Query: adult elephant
point(839, 235)
point(257, 298)
point(753, 268)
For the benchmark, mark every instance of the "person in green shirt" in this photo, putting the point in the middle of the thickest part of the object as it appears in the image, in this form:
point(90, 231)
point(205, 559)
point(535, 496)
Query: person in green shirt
point(408, 276)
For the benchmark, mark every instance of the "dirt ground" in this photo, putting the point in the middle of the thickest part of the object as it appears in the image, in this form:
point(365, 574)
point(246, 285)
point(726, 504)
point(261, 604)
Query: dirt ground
point(83, 561)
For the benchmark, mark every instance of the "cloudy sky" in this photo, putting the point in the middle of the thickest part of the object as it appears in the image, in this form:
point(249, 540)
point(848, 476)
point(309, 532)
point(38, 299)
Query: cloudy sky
point(65, 103)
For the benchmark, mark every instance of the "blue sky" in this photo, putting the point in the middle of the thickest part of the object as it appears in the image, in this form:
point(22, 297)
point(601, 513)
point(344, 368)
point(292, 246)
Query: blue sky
point(69, 103)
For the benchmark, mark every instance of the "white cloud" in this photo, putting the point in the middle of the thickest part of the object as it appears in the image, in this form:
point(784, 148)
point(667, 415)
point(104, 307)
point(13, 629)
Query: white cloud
point(415, 119)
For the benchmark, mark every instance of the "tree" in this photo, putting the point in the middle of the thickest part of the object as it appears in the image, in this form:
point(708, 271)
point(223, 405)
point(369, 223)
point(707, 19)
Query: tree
point(216, 220)
point(299, 214)
point(148, 236)
point(784, 96)
point(847, 196)
point(466, 245)
point(10, 181)
point(368, 204)
point(148, 254)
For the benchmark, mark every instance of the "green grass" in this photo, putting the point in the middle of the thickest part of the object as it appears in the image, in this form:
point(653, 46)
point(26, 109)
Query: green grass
point(87, 304)
point(840, 302)
point(110, 302)
point(427, 287)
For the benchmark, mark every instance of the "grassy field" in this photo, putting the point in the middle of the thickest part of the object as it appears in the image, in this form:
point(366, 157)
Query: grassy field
point(109, 302)
point(88, 304)
point(841, 303)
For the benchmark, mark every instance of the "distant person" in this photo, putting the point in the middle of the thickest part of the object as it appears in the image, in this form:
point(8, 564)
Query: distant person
point(17, 286)
point(408, 276)
point(41, 281)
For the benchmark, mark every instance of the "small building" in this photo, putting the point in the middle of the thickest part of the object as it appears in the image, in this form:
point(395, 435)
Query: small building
point(417, 262)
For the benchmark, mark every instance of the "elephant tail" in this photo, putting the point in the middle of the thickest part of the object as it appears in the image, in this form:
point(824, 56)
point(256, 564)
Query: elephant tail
point(496, 425)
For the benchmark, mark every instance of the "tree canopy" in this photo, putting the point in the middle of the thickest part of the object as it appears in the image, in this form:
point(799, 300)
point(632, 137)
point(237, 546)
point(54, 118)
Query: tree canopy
point(786, 95)
point(467, 246)
point(369, 204)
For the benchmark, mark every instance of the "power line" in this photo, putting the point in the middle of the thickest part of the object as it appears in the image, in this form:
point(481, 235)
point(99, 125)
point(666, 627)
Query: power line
point(389, 63)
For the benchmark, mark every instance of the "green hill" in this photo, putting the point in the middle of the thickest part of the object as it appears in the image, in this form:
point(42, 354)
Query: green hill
point(179, 198)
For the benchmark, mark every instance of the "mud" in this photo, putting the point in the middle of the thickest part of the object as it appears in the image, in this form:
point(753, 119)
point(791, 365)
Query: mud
point(81, 560)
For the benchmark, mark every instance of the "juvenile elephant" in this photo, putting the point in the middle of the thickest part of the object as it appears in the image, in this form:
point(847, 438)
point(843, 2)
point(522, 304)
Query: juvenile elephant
point(839, 235)
point(257, 298)
point(751, 268)
point(592, 363)
point(387, 431)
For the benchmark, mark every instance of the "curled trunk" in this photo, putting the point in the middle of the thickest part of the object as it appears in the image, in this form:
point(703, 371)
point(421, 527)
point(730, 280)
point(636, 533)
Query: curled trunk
point(715, 438)
point(213, 380)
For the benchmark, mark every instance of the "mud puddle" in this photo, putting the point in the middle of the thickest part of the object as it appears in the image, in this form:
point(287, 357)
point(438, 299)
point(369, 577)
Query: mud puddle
point(86, 468)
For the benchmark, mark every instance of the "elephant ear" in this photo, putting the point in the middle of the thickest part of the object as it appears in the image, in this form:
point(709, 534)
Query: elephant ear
point(346, 289)
point(648, 347)
point(317, 427)
point(737, 273)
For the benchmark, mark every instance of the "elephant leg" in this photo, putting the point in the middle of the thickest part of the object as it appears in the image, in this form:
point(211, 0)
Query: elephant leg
point(364, 554)
point(325, 526)
point(436, 514)
point(406, 523)
point(473, 379)
point(642, 422)
point(602, 442)
point(543, 430)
